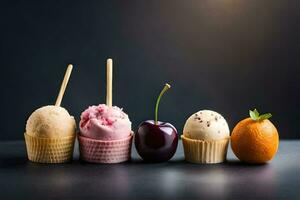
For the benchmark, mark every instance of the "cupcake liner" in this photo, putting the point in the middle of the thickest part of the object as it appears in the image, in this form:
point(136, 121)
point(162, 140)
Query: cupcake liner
point(49, 150)
point(100, 151)
point(200, 151)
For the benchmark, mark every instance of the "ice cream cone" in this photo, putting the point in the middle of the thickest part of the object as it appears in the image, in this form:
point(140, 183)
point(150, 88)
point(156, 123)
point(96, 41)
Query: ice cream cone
point(49, 150)
point(105, 151)
point(200, 151)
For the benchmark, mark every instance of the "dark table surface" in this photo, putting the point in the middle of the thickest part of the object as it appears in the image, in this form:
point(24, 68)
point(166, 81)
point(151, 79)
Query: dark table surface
point(175, 179)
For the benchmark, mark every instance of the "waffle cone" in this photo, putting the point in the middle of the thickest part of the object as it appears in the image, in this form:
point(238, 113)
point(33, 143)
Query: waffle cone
point(49, 150)
point(100, 151)
point(199, 151)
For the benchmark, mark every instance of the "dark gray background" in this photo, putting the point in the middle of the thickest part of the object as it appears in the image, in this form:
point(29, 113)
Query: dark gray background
point(224, 55)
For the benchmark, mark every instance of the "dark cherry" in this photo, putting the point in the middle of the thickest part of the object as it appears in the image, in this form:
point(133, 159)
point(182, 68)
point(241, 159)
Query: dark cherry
point(156, 142)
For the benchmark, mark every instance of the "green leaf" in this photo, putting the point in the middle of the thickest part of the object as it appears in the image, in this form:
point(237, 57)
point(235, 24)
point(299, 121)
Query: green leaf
point(265, 116)
point(254, 114)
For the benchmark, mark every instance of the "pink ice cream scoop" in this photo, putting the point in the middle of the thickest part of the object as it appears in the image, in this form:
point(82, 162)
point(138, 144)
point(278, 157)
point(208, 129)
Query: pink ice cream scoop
point(105, 123)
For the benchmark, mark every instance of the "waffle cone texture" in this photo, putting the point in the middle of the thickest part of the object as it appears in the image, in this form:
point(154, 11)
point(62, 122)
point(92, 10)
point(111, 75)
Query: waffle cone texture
point(100, 151)
point(49, 150)
point(206, 152)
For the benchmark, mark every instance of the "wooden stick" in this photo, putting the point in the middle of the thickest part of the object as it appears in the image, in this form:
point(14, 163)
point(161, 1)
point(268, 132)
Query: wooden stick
point(109, 79)
point(64, 85)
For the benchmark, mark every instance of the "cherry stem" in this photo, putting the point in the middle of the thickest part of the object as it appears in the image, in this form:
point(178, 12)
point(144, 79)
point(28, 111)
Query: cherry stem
point(167, 86)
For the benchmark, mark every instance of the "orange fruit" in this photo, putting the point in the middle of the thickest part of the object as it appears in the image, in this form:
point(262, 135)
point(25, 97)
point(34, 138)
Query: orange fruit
point(255, 139)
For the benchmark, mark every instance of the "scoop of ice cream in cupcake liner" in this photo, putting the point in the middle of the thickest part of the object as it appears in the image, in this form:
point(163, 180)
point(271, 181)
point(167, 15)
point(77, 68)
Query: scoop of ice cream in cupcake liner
point(50, 135)
point(205, 137)
point(105, 135)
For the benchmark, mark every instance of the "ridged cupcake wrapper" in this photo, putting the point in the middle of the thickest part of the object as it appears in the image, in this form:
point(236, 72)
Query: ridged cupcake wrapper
point(199, 151)
point(99, 151)
point(49, 150)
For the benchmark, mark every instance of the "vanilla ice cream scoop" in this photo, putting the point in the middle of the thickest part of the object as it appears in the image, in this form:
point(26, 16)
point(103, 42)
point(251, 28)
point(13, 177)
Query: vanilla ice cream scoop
point(50, 122)
point(206, 125)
